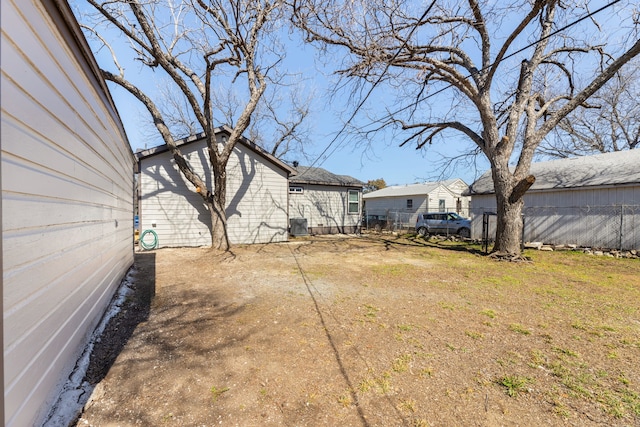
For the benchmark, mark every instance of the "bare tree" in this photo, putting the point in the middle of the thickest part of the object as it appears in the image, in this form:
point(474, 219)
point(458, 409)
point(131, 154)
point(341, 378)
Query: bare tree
point(610, 122)
point(197, 45)
point(496, 63)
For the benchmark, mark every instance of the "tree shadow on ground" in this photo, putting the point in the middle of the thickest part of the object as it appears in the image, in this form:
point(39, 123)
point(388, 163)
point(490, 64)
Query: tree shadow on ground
point(449, 245)
point(134, 311)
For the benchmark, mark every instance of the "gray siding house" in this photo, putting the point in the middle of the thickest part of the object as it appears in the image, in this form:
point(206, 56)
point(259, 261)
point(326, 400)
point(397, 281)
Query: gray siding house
point(327, 203)
point(257, 194)
point(591, 201)
point(407, 201)
point(67, 202)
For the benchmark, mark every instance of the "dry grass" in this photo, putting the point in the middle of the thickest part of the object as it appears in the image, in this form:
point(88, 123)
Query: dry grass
point(388, 331)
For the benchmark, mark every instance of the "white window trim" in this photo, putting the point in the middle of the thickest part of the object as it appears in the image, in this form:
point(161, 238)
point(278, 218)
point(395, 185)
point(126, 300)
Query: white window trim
point(293, 189)
point(349, 202)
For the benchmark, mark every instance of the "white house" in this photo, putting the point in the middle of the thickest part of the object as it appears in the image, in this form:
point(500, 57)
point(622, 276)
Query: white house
point(408, 200)
point(589, 201)
point(67, 202)
point(326, 203)
point(257, 194)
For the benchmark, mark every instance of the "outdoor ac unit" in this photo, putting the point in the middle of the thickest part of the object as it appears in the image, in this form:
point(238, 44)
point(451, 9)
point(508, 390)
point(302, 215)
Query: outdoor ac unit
point(298, 227)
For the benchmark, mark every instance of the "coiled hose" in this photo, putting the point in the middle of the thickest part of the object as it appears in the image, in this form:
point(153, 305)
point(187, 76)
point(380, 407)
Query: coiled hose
point(148, 246)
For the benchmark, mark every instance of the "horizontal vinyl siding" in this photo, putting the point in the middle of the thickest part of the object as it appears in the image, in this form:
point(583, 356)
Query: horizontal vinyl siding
point(324, 207)
point(67, 211)
point(169, 204)
point(256, 199)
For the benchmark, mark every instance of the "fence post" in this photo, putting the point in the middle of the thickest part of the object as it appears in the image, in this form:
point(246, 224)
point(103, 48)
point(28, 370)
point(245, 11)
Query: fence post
point(522, 233)
point(621, 228)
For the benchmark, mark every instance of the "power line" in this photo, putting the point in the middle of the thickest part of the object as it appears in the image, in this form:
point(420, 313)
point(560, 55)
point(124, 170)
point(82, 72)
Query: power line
point(355, 112)
point(571, 24)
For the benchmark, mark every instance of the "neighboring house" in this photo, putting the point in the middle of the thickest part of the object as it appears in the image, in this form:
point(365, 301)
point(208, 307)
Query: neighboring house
point(408, 200)
point(326, 202)
point(67, 202)
point(257, 195)
point(589, 201)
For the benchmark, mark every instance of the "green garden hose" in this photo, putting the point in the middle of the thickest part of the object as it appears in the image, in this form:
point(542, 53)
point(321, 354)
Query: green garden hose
point(153, 244)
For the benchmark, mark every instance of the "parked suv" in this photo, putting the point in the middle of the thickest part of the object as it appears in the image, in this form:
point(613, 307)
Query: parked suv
point(442, 223)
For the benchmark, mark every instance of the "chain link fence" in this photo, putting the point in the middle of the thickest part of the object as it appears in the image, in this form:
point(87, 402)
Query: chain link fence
point(610, 227)
point(396, 220)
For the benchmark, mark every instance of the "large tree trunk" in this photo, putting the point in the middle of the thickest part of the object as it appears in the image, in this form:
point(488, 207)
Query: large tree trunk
point(509, 225)
point(509, 204)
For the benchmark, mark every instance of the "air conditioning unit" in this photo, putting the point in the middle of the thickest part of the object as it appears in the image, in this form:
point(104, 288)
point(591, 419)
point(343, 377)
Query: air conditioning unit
point(298, 227)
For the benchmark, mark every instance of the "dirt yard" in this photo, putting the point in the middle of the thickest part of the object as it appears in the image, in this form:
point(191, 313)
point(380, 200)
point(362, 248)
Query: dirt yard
point(371, 331)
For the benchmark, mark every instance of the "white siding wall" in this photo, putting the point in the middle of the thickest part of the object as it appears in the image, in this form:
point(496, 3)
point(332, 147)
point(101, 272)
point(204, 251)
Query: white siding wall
point(388, 205)
point(325, 208)
point(421, 203)
point(67, 207)
point(256, 198)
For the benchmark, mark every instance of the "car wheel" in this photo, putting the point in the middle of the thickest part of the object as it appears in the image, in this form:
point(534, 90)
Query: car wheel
point(422, 231)
point(464, 232)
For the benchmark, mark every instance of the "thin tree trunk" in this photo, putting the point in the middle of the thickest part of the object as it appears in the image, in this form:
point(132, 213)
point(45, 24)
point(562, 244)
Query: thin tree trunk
point(219, 237)
point(217, 207)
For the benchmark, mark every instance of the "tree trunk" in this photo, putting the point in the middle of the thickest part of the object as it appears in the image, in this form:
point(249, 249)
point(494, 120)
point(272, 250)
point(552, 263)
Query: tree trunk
point(509, 204)
point(217, 207)
point(509, 225)
point(219, 237)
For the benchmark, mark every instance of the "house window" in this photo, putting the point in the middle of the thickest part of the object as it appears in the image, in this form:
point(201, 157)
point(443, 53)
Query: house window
point(354, 202)
point(296, 190)
point(442, 205)
point(409, 203)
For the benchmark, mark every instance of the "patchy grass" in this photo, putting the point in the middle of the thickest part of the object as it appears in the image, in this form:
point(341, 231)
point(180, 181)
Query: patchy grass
point(383, 331)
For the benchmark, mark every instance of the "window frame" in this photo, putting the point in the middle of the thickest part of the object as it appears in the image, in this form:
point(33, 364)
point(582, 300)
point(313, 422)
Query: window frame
point(296, 189)
point(353, 202)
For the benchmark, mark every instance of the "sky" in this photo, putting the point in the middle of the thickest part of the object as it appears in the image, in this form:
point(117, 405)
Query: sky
point(381, 157)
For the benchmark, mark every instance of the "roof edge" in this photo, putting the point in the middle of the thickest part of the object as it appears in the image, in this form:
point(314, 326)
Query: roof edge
point(143, 154)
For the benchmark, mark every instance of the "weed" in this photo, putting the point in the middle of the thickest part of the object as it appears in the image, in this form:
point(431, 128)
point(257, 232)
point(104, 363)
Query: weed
point(538, 358)
point(420, 422)
point(426, 372)
point(345, 399)
point(578, 325)
point(372, 311)
point(488, 312)
point(217, 392)
point(474, 335)
point(565, 351)
point(408, 405)
point(401, 364)
point(516, 327)
point(514, 384)
point(404, 328)
point(366, 385)
point(447, 306)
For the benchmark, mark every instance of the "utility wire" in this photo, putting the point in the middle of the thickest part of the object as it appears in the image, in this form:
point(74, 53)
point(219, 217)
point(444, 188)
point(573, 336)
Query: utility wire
point(355, 112)
point(571, 24)
point(589, 15)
